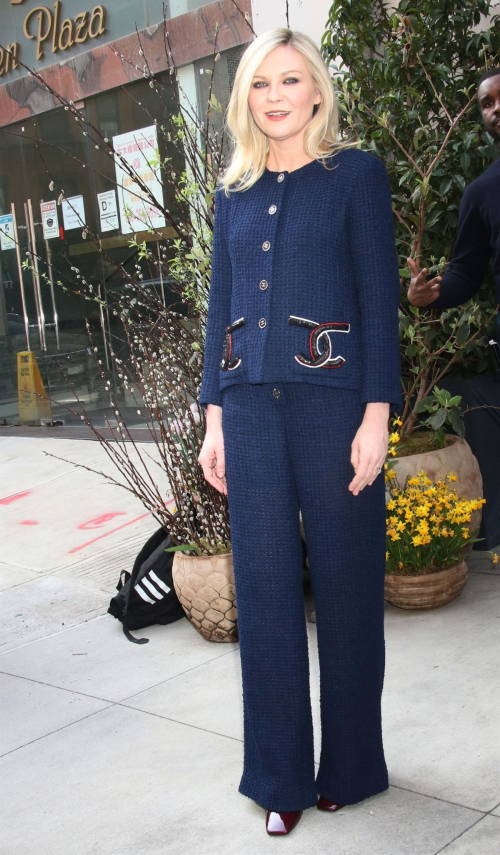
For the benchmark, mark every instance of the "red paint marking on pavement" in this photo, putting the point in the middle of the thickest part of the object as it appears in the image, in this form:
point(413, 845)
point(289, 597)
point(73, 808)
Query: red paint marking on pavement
point(29, 522)
point(10, 499)
point(106, 534)
point(98, 522)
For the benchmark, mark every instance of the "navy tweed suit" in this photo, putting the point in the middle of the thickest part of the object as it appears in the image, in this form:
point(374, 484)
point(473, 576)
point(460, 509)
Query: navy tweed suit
point(302, 332)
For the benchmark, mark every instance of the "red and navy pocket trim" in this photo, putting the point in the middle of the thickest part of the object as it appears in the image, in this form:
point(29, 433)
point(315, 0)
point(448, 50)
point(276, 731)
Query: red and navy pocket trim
point(320, 343)
point(228, 360)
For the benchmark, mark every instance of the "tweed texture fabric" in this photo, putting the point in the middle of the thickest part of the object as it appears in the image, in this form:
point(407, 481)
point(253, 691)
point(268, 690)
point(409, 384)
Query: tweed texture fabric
point(305, 282)
point(287, 447)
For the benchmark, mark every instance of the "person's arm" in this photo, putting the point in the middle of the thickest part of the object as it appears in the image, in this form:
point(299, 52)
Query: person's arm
point(467, 269)
point(219, 308)
point(375, 261)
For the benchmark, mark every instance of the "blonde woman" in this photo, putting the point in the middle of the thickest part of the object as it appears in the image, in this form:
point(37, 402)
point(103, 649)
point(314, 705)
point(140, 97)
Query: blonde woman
point(301, 370)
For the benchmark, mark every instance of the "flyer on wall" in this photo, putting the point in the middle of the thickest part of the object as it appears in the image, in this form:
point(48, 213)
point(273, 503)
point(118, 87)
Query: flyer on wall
point(139, 149)
point(7, 232)
point(50, 223)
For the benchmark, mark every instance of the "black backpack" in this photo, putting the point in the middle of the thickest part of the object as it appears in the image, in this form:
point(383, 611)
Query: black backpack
point(147, 595)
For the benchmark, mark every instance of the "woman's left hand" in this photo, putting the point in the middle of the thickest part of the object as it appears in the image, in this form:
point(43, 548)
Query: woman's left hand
point(369, 446)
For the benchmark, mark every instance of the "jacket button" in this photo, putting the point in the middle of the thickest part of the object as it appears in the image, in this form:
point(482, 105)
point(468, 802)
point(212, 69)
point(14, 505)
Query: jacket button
point(262, 323)
point(273, 209)
point(263, 284)
point(266, 245)
point(281, 177)
point(276, 393)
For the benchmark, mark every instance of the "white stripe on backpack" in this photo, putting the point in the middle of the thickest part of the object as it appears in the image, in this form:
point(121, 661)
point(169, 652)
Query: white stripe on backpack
point(143, 594)
point(149, 585)
point(152, 575)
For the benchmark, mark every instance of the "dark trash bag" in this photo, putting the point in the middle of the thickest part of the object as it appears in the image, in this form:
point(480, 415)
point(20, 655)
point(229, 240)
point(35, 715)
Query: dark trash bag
point(147, 595)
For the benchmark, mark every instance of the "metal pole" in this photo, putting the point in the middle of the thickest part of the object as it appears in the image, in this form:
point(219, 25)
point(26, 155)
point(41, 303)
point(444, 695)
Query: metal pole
point(103, 328)
point(161, 274)
point(21, 283)
point(36, 275)
point(52, 295)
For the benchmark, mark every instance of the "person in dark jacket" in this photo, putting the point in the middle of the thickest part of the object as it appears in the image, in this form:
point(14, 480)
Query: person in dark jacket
point(301, 370)
point(478, 233)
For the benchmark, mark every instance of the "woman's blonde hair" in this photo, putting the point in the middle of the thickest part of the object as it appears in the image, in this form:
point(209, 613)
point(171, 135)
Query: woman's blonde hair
point(251, 145)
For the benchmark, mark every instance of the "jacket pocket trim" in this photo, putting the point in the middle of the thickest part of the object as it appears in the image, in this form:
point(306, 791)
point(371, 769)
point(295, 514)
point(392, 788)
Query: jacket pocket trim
point(320, 343)
point(229, 362)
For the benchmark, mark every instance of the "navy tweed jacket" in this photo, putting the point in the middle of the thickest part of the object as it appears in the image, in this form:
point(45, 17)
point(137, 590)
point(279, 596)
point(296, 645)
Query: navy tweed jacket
point(305, 283)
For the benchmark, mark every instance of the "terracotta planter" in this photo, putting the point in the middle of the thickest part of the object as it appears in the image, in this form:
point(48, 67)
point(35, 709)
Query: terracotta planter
point(457, 458)
point(205, 587)
point(426, 592)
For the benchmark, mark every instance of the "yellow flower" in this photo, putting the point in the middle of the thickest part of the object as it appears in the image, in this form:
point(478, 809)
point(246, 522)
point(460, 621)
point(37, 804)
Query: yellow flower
point(391, 473)
point(400, 526)
point(392, 451)
point(393, 520)
point(426, 539)
point(413, 481)
point(451, 476)
point(495, 558)
point(397, 422)
point(394, 437)
point(444, 531)
point(465, 532)
point(417, 540)
point(393, 534)
point(391, 505)
point(400, 564)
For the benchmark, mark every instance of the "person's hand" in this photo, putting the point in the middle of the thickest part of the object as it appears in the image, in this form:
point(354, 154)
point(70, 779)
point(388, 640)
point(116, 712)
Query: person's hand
point(420, 292)
point(369, 446)
point(211, 457)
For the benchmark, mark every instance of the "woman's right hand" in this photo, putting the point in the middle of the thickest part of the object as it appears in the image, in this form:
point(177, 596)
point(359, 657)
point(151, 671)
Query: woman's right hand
point(211, 457)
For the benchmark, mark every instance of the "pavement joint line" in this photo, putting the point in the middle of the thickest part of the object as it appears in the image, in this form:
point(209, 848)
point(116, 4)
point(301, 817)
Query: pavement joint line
point(74, 691)
point(465, 831)
point(174, 677)
point(64, 689)
point(52, 634)
point(439, 799)
point(183, 723)
point(57, 730)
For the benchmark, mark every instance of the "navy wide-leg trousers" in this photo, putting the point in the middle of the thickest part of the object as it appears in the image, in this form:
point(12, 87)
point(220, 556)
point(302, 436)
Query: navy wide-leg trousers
point(287, 447)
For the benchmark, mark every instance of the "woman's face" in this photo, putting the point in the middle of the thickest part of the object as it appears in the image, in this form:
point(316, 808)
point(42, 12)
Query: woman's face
point(282, 94)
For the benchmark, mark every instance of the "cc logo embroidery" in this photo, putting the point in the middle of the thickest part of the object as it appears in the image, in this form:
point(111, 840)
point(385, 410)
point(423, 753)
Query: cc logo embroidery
point(320, 343)
point(228, 361)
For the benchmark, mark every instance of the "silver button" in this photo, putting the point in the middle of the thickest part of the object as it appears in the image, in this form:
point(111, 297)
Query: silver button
point(263, 284)
point(276, 393)
point(281, 177)
point(273, 209)
point(266, 245)
point(262, 323)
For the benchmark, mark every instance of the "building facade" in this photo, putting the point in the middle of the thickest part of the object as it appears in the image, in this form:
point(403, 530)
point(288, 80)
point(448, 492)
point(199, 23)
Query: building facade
point(93, 56)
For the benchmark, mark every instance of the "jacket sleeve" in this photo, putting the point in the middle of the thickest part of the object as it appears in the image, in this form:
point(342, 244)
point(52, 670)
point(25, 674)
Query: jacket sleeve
point(219, 308)
point(376, 269)
point(469, 262)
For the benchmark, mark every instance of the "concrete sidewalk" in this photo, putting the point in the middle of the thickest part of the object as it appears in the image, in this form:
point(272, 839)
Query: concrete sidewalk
point(110, 748)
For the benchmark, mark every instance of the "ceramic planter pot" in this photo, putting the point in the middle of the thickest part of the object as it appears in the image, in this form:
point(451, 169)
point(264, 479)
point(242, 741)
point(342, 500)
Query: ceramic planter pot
point(204, 585)
point(428, 591)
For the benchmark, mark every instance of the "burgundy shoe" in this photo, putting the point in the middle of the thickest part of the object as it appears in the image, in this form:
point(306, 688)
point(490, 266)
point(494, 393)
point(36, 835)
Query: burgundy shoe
point(282, 822)
point(326, 804)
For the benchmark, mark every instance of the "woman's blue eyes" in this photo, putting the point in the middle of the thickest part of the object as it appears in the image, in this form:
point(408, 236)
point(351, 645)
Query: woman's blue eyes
point(259, 83)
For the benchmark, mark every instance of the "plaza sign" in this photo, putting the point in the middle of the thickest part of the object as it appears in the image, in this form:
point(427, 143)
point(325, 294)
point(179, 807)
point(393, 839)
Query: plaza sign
point(49, 28)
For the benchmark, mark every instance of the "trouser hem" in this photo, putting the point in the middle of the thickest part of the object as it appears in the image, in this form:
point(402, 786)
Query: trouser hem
point(350, 798)
point(283, 803)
